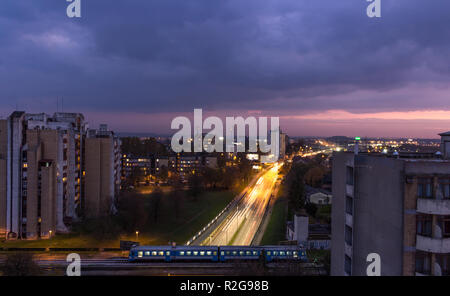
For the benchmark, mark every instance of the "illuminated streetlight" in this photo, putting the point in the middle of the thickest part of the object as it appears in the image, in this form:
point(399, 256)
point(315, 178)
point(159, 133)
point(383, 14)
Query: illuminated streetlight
point(137, 235)
point(50, 232)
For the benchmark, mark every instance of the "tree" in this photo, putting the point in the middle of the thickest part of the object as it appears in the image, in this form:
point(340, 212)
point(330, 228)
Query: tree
point(228, 177)
point(155, 199)
point(211, 177)
point(314, 176)
point(137, 147)
point(245, 168)
point(133, 212)
point(20, 264)
point(295, 185)
point(311, 209)
point(221, 160)
point(195, 182)
point(177, 196)
point(163, 173)
point(137, 176)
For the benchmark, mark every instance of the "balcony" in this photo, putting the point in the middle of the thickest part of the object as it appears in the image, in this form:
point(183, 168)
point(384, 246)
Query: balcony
point(433, 206)
point(349, 220)
point(348, 250)
point(433, 245)
point(349, 190)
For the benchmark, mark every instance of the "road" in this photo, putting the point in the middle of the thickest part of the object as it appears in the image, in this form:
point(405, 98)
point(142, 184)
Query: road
point(241, 225)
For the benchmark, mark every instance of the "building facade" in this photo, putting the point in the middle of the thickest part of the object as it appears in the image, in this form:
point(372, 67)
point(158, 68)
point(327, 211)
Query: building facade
point(102, 171)
point(397, 206)
point(42, 174)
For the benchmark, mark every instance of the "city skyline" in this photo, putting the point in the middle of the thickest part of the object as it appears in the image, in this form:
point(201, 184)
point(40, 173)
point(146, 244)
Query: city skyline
point(324, 68)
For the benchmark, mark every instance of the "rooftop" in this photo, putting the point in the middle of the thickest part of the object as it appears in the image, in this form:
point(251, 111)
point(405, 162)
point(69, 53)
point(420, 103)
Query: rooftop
point(445, 134)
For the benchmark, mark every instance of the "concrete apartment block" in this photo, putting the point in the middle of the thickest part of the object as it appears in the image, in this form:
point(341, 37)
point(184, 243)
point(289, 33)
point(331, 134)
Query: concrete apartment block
point(43, 171)
point(397, 206)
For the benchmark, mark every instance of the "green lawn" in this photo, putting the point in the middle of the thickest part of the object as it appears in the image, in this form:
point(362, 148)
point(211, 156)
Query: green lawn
point(276, 229)
point(193, 215)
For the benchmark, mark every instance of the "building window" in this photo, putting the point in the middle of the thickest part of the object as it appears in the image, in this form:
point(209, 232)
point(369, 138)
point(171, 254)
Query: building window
point(349, 205)
point(348, 265)
point(424, 223)
point(425, 188)
point(423, 262)
point(348, 235)
point(444, 185)
point(444, 262)
point(444, 225)
point(349, 175)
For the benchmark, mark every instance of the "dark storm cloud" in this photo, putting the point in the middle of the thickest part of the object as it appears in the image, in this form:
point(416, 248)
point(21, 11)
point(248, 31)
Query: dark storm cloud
point(167, 55)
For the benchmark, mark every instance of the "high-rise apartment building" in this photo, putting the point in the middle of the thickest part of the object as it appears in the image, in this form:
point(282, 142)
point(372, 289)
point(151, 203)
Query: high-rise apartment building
point(103, 172)
point(397, 206)
point(42, 173)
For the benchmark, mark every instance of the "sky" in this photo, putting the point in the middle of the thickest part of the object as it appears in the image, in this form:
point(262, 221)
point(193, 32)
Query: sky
point(322, 66)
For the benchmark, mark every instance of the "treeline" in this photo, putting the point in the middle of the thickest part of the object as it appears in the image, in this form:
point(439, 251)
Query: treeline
point(221, 178)
point(142, 148)
point(300, 174)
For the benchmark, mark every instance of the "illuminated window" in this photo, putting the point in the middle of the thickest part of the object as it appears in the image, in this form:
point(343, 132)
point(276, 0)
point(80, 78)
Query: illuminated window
point(154, 253)
point(208, 253)
point(195, 253)
point(147, 253)
point(189, 253)
point(202, 253)
point(182, 253)
point(140, 254)
point(161, 253)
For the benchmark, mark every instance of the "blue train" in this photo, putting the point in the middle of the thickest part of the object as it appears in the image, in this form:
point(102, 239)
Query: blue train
point(217, 254)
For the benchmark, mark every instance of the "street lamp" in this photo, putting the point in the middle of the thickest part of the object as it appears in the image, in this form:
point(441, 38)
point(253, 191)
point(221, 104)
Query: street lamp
point(137, 235)
point(50, 232)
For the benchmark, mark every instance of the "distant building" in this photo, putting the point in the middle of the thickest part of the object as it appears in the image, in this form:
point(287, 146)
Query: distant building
point(297, 230)
point(132, 163)
point(42, 173)
point(318, 196)
point(187, 163)
point(283, 145)
point(397, 206)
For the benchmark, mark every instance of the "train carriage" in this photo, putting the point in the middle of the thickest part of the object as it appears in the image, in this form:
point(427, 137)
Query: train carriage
point(168, 253)
point(284, 253)
point(215, 254)
point(150, 253)
point(229, 253)
point(193, 253)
